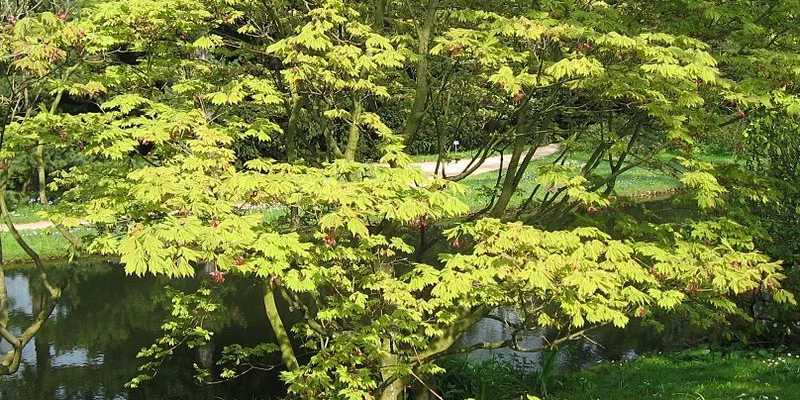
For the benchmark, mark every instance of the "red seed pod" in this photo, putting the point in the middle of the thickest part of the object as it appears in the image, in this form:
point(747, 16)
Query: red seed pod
point(591, 208)
point(741, 114)
point(641, 312)
point(518, 97)
point(218, 276)
point(455, 243)
point(239, 260)
point(214, 223)
point(330, 240)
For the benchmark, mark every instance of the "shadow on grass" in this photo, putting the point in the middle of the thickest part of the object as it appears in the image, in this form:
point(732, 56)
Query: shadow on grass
point(693, 374)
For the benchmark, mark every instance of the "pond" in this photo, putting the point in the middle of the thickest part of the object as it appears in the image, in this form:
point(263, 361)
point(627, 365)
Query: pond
point(87, 349)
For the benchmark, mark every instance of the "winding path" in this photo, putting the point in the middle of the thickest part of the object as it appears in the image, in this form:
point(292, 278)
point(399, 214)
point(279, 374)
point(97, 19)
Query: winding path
point(455, 167)
point(28, 226)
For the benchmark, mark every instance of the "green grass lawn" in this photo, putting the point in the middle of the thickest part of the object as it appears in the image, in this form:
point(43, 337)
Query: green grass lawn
point(25, 213)
point(49, 243)
point(637, 182)
point(694, 374)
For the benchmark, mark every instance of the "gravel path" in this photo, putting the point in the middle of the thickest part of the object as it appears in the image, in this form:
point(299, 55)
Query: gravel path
point(28, 226)
point(455, 167)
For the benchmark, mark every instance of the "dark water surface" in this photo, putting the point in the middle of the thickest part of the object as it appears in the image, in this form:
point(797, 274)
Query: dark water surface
point(87, 349)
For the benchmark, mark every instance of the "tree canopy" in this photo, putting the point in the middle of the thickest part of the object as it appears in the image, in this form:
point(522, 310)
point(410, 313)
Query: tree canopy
point(268, 140)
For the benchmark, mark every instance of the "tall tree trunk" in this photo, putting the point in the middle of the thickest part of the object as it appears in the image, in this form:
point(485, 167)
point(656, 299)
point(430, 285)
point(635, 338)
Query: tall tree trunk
point(394, 390)
point(291, 147)
point(379, 15)
point(354, 133)
point(353, 136)
point(508, 188)
point(422, 89)
point(291, 128)
point(510, 180)
point(281, 335)
point(38, 157)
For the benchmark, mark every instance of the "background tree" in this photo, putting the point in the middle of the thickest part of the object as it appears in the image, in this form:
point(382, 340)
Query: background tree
point(39, 52)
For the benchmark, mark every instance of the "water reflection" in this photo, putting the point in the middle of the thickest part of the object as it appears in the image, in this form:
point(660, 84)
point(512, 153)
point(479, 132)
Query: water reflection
point(603, 344)
point(87, 349)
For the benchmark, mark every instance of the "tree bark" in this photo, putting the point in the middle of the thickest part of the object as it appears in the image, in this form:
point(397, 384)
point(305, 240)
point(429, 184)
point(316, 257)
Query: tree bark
point(394, 391)
point(354, 133)
point(379, 15)
point(510, 180)
point(291, 128)
point(281, 335)
point(422, 89)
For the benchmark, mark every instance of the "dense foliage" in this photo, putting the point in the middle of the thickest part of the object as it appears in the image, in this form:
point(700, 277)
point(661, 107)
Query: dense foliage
point(267, 140)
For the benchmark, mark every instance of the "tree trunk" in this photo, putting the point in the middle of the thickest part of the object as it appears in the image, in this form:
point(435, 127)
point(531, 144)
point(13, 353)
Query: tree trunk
point(291, 128)
point(394, 390)
point(379, 15)
point(510, 179)
point(414, 120)
point(508, 188)
point(354, 132)
point(38, 157)
point(281, 335)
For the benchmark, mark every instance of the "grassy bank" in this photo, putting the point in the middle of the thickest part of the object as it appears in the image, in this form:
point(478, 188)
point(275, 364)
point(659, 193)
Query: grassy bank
point(25, 213)
point(694, 374)
point(49, 243)
point(636, 182)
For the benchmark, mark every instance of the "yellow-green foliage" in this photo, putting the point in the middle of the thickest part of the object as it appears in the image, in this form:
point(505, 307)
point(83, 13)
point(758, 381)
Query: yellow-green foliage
point(167, 191)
